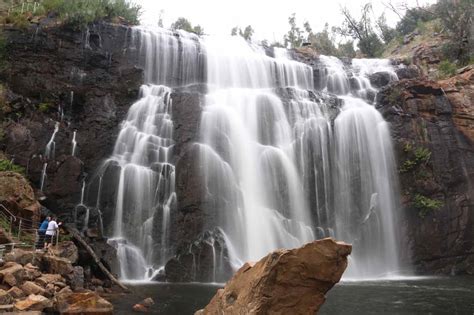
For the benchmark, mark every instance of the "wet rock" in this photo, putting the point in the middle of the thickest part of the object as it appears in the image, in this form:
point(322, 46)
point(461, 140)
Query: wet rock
point(148, 302)
point(30, 287)
point(33, 303)
point(380, 79)
point(16, 293)
point(409, 72)
point(284, 282)
point(66, 250)
point(5, 297)
point(185, 267)
point(140, 308)
point(57, 265)
point(82, 303)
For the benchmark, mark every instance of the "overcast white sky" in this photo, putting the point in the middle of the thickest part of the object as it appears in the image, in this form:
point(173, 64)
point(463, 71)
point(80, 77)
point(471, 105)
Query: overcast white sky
point(268, 18)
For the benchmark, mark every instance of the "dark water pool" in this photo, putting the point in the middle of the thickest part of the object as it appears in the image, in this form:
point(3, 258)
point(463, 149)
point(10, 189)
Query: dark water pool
point(416, 296)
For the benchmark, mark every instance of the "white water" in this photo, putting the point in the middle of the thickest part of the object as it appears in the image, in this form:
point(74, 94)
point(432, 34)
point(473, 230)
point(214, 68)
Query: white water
point(277, 171)
point(49, 152)
point(74, 144)
point(43, 176)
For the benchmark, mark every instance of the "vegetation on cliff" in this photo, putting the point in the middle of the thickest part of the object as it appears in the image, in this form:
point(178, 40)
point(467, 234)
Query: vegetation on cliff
point(76, 13)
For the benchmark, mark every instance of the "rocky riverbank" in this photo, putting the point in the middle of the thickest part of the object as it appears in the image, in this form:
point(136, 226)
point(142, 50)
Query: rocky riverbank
point(51, 281)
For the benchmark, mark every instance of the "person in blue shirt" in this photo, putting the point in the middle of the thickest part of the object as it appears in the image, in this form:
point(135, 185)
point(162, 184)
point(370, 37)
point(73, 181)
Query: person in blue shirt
point(42, 232)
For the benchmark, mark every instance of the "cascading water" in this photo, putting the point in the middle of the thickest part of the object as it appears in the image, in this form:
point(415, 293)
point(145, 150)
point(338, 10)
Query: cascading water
point(49, 152)
point(250, 169)
point(274, 162)
point(74, 144)
point(284, 161)
point(145, 192)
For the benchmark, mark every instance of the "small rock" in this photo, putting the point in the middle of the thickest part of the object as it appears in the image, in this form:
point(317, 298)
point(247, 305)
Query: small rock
point(30, 266)
point(140, 308)
point(33, 303)
point(47, 278)
point(23, 257)
point(16, 293)
point(65, 290)
point(60, 284)
point(30, 287)
point(67, 250)
point(5, 297)
point(76, 278)
point(96, 281)
point(12, 274)
point(82, 303)
point(148, 302)
point(380, 79)
point(99, 289)
point(6, 308)
point(31, 274)
point(57, 265)
point(92, 233)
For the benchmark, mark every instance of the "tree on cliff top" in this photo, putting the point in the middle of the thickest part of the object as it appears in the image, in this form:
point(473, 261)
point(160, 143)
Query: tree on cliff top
point(322, 41)
point(294, 38)
point(456, 17)
point(185, 25)
point(247, 33)
point(368, 41)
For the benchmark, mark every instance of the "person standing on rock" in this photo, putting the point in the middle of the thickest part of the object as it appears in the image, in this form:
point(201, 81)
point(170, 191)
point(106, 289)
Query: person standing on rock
point(42, 232)
point(53, 227)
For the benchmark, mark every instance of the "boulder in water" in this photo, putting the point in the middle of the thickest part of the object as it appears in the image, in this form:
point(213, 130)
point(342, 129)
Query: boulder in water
point(286, 281)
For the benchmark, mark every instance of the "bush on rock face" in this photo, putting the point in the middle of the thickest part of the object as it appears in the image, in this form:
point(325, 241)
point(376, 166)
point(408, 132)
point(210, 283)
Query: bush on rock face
point(79, 13)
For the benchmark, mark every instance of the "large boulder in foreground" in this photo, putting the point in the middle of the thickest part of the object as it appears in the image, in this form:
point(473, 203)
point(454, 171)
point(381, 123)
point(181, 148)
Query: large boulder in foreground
point(284, 282)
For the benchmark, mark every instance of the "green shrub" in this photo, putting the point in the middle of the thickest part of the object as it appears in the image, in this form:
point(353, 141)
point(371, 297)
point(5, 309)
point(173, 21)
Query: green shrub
point(447, 68)
point(407, 166)
point(418, 157)
point(425, 205)
point(422, 155)
point(79, 13)
point(44, 107)
point(7, 165)
point(421, 26)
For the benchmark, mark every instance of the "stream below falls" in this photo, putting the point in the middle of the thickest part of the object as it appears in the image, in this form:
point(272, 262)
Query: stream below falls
point(447, 295)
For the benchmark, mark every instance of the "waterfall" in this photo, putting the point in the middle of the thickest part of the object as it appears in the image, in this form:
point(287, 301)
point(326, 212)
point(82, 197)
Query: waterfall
point(250, 169)
point(143, 153)
point(288, 154)
point(74, 143)
point(43, 176)
point(49, 152)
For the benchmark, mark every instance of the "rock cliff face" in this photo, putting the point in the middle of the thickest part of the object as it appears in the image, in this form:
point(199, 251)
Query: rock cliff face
point(54, 75)
point(283, 282)
point(432, 125)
